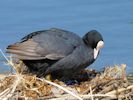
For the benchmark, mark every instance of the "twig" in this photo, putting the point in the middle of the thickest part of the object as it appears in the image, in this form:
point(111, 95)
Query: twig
point(13, 87)
point(111, 96)
point(47, 97)
point(96, 95)
point(91, 93)
point(4, 93)
point(123, 68)
point(2, 76)
point(87, 96)
point(66, 90)
point(7, 59)
point(119, 90)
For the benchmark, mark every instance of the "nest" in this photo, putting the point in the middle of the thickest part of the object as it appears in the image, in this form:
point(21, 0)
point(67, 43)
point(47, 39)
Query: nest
point(111, 83)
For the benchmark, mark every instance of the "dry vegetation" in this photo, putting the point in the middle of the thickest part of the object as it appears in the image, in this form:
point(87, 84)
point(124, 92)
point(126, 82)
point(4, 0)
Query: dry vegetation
point(111, 83)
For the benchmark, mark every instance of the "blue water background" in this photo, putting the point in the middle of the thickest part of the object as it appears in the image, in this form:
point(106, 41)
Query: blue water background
point(112, 18)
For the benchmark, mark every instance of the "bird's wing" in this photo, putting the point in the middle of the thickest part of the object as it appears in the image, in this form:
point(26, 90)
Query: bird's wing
point(28, 50)
point(43, 44)
point(79, 59)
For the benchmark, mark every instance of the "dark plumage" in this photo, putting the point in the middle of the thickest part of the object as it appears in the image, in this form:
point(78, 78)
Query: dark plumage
point(56, 51)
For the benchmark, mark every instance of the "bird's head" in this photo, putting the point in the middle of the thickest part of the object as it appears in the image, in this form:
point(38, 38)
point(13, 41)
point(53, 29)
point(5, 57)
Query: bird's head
point(94, 40)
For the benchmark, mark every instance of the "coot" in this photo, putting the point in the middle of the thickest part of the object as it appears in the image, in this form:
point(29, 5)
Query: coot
point(58, 52)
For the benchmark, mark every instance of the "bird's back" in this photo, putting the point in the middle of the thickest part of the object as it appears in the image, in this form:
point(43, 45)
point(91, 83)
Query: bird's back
point(58, 41)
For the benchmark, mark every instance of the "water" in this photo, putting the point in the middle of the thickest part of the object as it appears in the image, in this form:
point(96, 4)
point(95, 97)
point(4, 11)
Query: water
point(113, 19)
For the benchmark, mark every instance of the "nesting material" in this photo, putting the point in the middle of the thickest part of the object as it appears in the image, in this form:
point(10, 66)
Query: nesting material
point(111, 83)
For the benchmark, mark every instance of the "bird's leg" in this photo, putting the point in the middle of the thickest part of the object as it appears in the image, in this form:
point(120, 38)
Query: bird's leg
point(48, 77)
point(41, 74)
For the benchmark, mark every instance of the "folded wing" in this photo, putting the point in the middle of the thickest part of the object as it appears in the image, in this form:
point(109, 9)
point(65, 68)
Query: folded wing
point(49, 44)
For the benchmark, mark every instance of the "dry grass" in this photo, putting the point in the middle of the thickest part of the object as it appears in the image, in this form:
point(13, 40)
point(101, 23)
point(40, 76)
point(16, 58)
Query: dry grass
point(111, 83)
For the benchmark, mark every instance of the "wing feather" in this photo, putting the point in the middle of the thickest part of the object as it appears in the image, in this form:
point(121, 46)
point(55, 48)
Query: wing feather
point(51, 44)
point(27, 51)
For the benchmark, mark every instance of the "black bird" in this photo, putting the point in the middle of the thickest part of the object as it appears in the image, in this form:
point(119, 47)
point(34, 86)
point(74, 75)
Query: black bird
point(58, 52)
